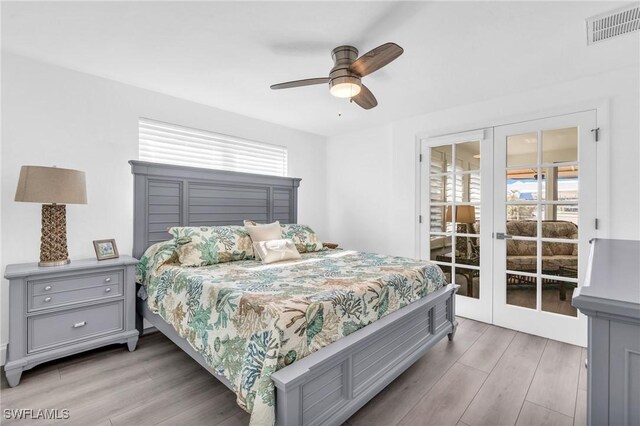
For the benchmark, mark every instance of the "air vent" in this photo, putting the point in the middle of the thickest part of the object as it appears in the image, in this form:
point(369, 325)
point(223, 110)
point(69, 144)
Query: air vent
point(613, 24)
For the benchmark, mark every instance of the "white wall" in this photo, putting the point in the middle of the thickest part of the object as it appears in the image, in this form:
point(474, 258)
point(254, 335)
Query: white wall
point(55, 116)
point(359, 182)
point(397, 157)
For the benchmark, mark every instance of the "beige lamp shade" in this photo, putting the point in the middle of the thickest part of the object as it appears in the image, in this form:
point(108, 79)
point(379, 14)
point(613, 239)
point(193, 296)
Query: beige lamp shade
point(464, 214)
point(51, 185)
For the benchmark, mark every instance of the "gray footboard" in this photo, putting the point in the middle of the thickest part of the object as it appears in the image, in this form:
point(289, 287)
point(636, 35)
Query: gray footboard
point(331, 384)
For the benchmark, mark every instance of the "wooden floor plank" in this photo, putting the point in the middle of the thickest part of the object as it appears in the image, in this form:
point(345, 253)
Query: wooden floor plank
point(210, 412)
point(183, 394)
point(500, 398)
point(580, 417)
point(397, 399)
point(535, 415)
point(485, 353)
point(133, 394)
point(555, 383)
point(59, 393)
point(240, 419)
point(582, 378)
point(445, 403)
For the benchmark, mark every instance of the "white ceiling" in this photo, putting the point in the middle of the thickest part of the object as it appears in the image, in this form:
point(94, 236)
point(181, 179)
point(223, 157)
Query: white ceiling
point(226, 54)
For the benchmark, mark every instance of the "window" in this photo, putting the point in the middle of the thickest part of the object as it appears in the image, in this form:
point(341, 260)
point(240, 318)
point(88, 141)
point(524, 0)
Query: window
point(171, 144)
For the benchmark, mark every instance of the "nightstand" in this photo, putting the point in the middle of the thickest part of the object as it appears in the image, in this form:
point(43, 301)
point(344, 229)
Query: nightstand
point(62, 310)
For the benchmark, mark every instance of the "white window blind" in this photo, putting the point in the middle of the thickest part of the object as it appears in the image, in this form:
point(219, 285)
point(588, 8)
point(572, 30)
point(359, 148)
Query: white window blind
point(172, 144)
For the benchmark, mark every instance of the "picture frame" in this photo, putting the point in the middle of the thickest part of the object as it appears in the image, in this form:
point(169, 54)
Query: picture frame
point(106, 249)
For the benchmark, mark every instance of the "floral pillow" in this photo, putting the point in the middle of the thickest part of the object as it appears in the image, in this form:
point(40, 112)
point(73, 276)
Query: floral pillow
point(303, 237)
point(154, 257)
point(209, 245)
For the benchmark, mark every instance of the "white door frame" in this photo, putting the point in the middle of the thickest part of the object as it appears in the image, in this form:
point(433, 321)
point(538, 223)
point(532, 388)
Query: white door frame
point(536, 321)
point(481, 308)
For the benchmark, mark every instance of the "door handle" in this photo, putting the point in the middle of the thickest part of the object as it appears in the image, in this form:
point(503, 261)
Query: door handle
point(503, 236)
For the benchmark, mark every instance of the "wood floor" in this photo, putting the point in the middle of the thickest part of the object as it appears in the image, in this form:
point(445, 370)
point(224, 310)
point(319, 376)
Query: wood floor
point(486, 376)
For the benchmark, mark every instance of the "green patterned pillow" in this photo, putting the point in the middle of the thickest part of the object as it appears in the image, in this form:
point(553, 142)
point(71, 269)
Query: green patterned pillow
point(304, 237)
point(154, 257)
point(208, 245)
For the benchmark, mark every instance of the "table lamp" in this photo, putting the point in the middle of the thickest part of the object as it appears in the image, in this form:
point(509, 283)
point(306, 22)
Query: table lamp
point(54, 188)
point(464, 214)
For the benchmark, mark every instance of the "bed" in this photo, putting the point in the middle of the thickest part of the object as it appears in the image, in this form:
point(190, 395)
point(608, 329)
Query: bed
point(323, 351)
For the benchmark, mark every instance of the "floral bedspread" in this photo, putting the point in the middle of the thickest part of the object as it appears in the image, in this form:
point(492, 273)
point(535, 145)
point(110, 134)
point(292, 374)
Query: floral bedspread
point(248, 320)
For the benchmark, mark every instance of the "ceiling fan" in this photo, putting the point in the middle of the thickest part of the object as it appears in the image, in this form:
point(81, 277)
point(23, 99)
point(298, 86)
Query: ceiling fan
point(345, 78)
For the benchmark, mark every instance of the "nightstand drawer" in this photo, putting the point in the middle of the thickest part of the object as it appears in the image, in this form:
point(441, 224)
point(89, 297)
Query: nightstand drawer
point(53, 300)
point(74, 282)
point(67, 327)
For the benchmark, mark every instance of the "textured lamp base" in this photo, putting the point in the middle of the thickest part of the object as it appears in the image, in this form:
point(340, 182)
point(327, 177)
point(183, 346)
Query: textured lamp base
point(53, 242)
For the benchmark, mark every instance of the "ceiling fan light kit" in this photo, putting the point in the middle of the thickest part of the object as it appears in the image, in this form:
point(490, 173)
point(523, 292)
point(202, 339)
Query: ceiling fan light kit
point(345, 78)
point(345, 87)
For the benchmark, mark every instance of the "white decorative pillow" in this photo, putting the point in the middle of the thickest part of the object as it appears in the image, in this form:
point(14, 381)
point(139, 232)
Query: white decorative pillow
point(275, 251)
point(258, 232)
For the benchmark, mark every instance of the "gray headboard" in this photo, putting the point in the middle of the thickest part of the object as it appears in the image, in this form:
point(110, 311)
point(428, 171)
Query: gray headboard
point(165, 195)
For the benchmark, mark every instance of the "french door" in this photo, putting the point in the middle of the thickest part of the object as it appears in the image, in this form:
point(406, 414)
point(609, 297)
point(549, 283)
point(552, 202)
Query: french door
point(544, 216)
point(508, 212)
point(456, 201)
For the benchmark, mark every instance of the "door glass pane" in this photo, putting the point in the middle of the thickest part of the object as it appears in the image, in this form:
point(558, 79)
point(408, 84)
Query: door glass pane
point(558, 229)
point(521, 221)
point(437, 220)
point(521, 290)
point(461, 191)
point(441, 157)
point(560, 145)
point(469, 281)
point(522, 255)
point(468, 250)
point(567, 213)
point(440, 188)
point(557, 296)
point(560, 183)
point(522, 149)
point(472, 187)
point(441, 248)
point(560, 259)
point(522, 185)
point(468, 155)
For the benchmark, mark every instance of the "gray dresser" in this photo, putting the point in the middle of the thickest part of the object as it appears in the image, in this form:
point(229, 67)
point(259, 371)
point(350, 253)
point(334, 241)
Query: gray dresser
point(610, 298)
point(63, 310)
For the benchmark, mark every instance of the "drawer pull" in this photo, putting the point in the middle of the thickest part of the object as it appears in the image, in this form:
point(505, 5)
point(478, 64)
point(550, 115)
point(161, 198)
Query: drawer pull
point(107, 280)
point(47, 288)
point(47, 299)
point(79, 324)
point(107, 290)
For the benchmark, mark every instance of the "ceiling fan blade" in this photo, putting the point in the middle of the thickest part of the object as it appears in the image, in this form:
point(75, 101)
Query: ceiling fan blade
point(365, 98)
point(300, 83)
point(376, 59)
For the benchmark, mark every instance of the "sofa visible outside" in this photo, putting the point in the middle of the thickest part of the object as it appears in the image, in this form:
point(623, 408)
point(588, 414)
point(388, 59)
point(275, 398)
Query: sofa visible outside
point(522, 255)
point(557, 258)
